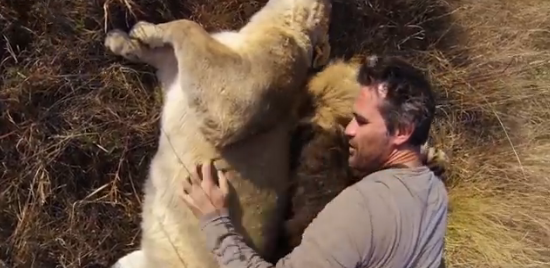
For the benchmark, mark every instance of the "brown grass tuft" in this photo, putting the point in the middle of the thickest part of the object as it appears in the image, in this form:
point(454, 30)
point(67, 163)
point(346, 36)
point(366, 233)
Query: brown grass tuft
point(78, 126)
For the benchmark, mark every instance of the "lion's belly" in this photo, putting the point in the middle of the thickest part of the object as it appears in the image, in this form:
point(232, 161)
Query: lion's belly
point(262, 169)
point(171, 234)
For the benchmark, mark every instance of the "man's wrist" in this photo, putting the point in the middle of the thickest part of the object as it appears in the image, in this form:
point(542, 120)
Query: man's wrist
point(216, 226)
point(217, 216)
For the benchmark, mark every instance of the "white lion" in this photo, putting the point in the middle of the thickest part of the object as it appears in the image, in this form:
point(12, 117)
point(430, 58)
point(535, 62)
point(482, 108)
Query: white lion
point(229, 96)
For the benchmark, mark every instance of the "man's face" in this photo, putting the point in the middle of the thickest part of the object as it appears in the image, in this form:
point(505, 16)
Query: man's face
point(369, 141)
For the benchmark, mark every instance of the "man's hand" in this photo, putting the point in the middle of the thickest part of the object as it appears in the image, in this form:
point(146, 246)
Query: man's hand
point(201, 193)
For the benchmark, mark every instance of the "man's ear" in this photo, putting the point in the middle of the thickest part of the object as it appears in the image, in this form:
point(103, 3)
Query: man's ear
point(402, 134)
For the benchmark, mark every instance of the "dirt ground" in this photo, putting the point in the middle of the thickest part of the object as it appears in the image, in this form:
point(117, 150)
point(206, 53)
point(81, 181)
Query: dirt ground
point(78, 126)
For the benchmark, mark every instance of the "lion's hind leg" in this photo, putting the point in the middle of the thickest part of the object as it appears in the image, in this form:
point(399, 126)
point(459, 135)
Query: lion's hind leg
point(135, 259)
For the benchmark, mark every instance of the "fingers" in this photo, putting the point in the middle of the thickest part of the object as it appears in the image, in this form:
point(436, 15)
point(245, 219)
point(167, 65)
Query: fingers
point(187, 199)
point(194, 176)
point(207, 178)
point(224, 184)
point(191, 204)
point(202, 177)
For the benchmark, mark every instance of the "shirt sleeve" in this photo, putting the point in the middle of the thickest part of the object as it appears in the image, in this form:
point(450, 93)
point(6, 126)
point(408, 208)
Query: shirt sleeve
point(338, 237)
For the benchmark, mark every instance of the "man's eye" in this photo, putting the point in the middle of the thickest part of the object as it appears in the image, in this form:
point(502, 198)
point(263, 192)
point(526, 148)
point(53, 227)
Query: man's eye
point(360, 120)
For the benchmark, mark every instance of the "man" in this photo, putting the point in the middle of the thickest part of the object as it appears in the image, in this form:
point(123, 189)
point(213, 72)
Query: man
point(394, 217)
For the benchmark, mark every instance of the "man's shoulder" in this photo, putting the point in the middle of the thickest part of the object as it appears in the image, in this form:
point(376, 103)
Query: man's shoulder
point(387, 184)
point(403, 204)
point(399, 172)
point(397, 180)
point(399, 195)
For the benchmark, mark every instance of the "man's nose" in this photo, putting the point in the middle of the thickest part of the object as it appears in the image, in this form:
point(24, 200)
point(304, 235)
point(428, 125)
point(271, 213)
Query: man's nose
point(351, 128)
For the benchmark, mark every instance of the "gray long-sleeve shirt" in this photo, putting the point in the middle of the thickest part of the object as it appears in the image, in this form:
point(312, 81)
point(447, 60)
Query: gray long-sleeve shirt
point(392, 218)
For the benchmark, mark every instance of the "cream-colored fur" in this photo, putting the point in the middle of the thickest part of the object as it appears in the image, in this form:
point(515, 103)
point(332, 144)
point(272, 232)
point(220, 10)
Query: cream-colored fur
point(228, 96)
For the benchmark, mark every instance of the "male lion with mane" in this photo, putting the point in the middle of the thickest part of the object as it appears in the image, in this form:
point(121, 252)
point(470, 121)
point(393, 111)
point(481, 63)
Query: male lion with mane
point(229, 96)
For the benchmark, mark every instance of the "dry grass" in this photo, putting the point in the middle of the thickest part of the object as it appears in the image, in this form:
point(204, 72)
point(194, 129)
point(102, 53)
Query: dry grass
point(78, 126)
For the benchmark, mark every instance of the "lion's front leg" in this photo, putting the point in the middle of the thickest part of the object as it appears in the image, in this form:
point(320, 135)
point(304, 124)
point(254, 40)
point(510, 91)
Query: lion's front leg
point(209, 71)
point(122, 44)
point(193, 45)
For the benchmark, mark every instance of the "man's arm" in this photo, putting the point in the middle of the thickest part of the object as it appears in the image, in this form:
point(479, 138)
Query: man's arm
point(338, 237)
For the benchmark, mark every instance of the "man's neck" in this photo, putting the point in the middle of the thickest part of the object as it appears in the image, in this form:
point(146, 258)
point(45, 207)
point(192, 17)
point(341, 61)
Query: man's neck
point(404, 157)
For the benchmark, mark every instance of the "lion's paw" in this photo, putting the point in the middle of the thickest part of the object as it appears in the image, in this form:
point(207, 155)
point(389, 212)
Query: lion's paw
point(119, 43)
point(148, 33)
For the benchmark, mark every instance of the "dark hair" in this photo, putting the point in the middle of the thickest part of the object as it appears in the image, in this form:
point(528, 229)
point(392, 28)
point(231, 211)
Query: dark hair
point(409, 98)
